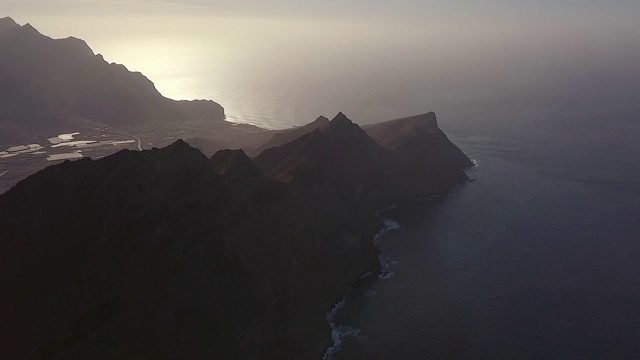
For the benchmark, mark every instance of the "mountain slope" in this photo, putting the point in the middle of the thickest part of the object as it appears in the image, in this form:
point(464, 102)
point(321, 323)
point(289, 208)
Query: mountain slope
point(342, 158)
point(422, 131)
point(156, 254)
point(167, 254)
point(64, 79)
point(282, 137)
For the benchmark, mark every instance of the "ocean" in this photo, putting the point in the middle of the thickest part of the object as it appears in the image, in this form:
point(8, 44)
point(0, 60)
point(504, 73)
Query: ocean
point(539, 258)
point(536, 259)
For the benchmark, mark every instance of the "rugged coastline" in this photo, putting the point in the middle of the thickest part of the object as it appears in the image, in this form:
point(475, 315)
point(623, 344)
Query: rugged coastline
point(192, 236)
point(170, 251)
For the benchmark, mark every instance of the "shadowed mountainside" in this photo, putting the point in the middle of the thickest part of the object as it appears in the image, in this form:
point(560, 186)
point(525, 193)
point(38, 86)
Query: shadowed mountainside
point(47, 83)
point(281, 137)
point(156, 254)
point(166, 254)
point(420, 131)
point(342, 154)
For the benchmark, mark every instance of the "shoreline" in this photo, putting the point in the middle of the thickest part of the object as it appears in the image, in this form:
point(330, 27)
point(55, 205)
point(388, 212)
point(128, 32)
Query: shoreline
point(340, 332)
point(384, 272)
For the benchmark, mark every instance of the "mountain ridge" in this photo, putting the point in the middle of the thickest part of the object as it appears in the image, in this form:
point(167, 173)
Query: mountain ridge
point(212, 243)
point(167, 253)
point(138, 227)
point(65, 79)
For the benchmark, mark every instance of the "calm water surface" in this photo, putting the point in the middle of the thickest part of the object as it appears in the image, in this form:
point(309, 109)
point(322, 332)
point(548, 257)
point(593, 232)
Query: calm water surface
point(537, 259)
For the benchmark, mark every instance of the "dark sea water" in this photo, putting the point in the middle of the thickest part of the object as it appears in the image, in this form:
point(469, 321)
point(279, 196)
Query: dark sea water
point(539, 258)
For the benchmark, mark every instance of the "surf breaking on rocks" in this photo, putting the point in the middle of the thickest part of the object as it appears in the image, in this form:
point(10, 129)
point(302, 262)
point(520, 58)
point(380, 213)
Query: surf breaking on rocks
point(340, 332)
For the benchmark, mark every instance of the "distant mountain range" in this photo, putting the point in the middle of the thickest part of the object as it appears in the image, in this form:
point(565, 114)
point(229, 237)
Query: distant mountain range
point(47, 83)
point(170, 254)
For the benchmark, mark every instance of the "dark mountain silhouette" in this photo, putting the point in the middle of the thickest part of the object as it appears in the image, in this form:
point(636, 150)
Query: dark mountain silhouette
point(47, 82)
point(6, 23)
point(226, 162)
point(166, 254)
point(157, 254)
point(340, 144)
point(419, 131)
point(342, 157)
point(282, 137)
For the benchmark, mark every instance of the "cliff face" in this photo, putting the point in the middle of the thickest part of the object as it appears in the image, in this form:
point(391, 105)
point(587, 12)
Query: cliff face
point(64, 79)
point(420, 133)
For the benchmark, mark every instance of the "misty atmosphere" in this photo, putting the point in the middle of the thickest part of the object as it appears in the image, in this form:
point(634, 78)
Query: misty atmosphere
point(335, 180)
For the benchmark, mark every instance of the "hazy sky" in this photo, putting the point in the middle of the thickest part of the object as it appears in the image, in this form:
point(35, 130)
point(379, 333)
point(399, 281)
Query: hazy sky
point(626, 9)
point(458, 51)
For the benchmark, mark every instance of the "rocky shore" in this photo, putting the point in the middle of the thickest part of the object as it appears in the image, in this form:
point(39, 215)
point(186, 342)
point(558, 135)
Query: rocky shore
point(169, 254)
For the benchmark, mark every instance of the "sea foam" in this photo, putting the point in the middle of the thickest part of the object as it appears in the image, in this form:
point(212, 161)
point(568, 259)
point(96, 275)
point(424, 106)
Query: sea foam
point(340, 332)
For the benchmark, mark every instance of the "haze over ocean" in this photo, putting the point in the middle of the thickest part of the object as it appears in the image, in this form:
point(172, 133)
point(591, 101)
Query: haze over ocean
point(539, 258)
point(285, 64)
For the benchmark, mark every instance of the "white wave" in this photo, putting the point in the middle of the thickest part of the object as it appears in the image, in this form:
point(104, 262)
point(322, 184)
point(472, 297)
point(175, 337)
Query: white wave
point(389, 225)
point(339, 332)
point(387, 263)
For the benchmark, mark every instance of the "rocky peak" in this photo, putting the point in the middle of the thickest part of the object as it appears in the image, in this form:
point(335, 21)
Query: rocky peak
point(178, 155)
point(321, 120)
point(7, 22)
point(285, 136)
point(341, 119)
point(67, 75)
point(30, 28)
point(233, 164)
point(343, 130)
point(181, 147)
